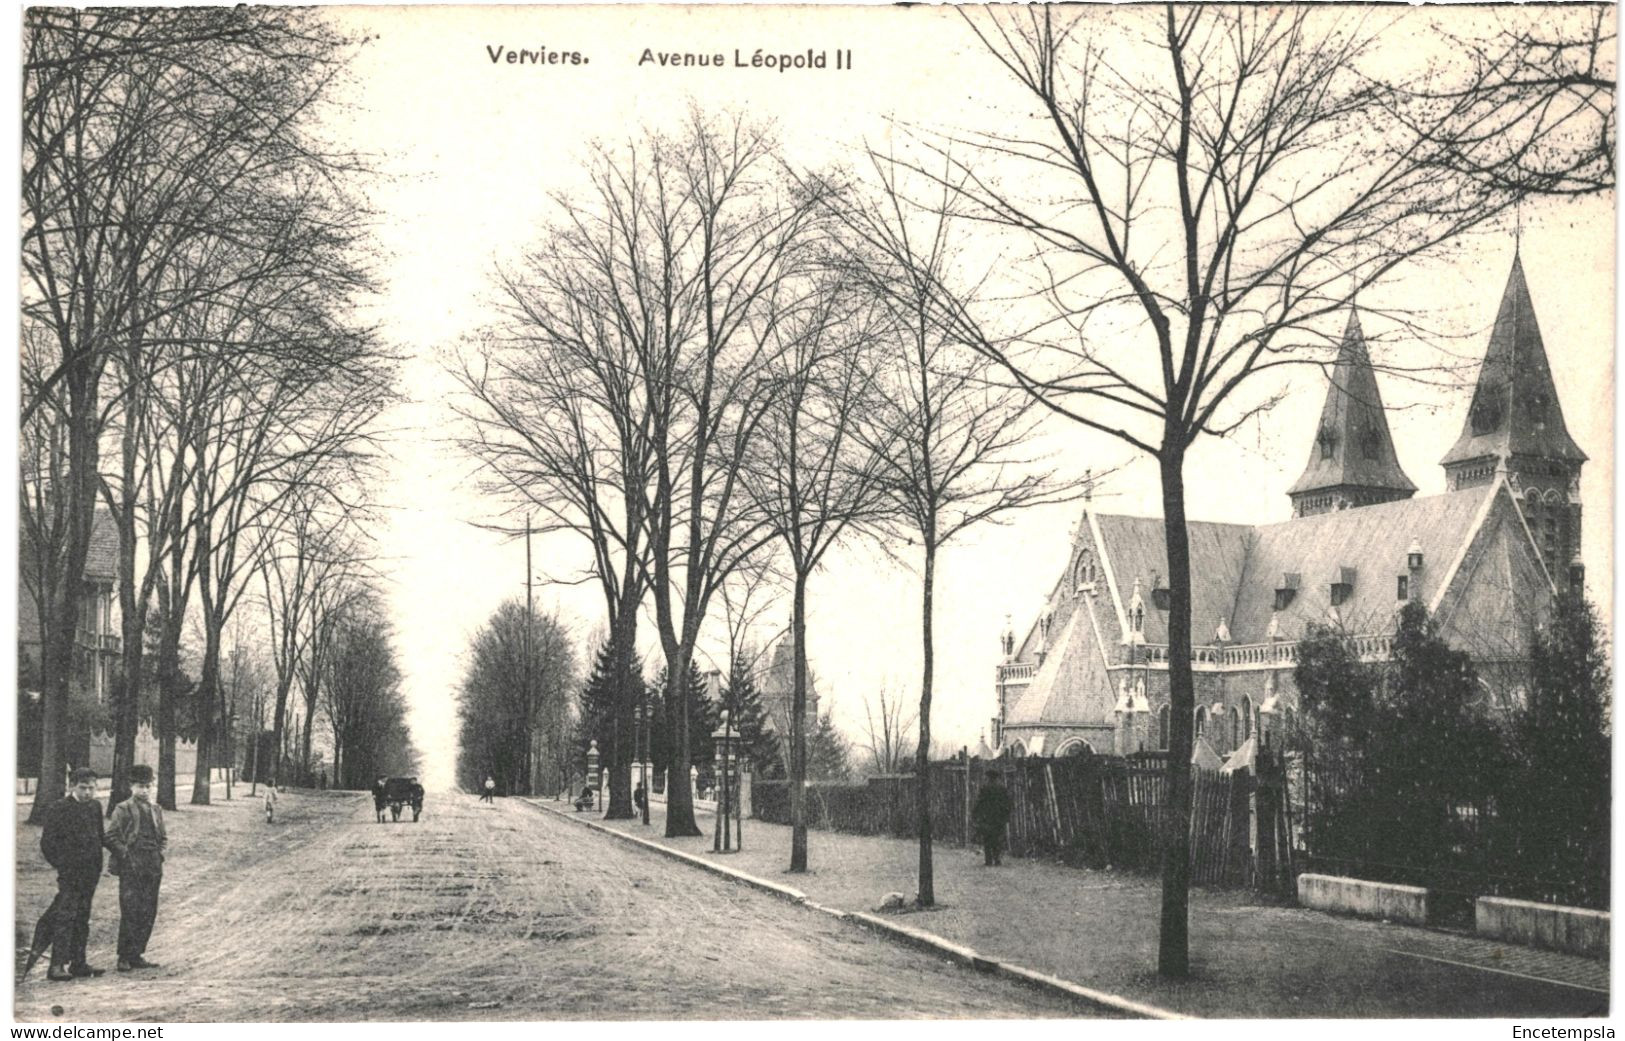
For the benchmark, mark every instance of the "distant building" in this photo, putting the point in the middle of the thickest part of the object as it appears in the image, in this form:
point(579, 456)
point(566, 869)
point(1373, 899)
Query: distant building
point(98, 649)
point(1486, 558)
point(97, 643)
point(778, 694)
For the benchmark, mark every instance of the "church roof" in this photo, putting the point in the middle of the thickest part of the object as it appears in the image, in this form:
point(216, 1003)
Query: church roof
point(1235, 572)
point(1352, 445)
point(1372, 541)
point(1515, 410)
point(1236, 569)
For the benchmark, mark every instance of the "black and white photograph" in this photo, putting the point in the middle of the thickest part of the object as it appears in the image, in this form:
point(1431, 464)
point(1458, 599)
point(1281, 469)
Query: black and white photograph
point(627, 517)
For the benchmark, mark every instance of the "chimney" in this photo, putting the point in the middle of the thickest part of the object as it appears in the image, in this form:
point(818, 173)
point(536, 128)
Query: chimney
point(1413, 568)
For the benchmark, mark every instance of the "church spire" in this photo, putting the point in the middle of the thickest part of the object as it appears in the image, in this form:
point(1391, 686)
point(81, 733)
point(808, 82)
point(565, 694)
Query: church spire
point(1515, 411)
point(1515, 426)
point(1352, 461)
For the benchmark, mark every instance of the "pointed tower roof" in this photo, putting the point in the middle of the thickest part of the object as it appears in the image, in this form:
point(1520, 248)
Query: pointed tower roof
point(1352, 445)
point(1515, 409)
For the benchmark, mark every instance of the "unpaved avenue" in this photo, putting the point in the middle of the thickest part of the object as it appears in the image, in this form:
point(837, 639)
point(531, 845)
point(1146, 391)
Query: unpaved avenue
point(476, 912)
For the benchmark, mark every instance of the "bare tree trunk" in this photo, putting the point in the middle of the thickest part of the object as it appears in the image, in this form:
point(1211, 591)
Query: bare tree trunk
point(922, 759)
point(126, 711)
point(63, 613)
point(624, 638)
point(679, 788)
point(798, 729)
point(207, 685)
point(1173, 954)
point(168, 683)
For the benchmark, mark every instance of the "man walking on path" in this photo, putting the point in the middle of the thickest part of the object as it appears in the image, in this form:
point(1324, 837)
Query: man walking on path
point(990, 815)
point(72, 843)
point(135, 834)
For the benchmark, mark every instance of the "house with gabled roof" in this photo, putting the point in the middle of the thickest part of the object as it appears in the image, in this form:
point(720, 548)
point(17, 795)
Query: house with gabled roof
point(1486, 557)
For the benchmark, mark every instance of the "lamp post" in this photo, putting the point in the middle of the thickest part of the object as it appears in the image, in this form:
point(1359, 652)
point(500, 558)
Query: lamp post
point(643, 756)
point(592, 771)
point(722, 841)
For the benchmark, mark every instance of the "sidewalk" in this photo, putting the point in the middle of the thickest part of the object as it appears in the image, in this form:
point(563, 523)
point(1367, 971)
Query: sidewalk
point(1099, 929)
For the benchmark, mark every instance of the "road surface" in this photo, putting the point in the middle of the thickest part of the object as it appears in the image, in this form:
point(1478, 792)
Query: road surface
point(476, 912)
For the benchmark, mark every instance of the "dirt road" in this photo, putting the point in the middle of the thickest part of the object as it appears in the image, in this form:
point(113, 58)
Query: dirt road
point(476, 912)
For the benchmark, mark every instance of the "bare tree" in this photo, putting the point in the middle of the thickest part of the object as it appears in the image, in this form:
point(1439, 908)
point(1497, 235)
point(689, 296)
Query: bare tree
point(553, 407)
point(498, 710)
point(1535, 110)
point(810, 474)
point(362, 699)
point(888, 729)
point(732, 242)
point(1197, 204)
point(951, 439)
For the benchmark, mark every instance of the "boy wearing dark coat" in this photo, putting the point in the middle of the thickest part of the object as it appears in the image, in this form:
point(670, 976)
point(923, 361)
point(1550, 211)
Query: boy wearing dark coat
point(990, 815)
point(135, 834)
point(72, 844)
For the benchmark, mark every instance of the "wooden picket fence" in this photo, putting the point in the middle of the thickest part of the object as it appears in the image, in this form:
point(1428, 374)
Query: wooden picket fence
point(1095, 810)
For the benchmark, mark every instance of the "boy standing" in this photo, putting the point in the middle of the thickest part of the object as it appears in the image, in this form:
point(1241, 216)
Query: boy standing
point(135, 834)
point(72, 843)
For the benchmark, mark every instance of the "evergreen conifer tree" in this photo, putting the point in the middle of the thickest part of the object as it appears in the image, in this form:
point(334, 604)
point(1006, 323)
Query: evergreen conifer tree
point(828, 755)
point(748, 719)
point(1558, 811)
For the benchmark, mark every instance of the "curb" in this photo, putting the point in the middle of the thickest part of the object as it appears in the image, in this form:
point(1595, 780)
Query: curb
point(918, 938)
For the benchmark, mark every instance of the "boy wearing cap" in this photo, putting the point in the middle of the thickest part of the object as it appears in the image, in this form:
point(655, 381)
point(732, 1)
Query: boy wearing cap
point(135, 834)
point(72, 843)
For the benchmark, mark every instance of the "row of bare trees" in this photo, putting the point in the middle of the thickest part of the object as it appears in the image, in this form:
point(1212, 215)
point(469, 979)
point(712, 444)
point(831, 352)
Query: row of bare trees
point(190, 364)
point(707, 375)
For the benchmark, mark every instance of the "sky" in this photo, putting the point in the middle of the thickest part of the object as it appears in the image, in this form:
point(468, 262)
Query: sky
point(471, 152)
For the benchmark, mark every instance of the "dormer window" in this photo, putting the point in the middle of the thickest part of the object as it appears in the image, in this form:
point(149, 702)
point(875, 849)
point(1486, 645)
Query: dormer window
point(1161, 595)
point(1327, 440)
point(1287, 591)
point(1342, 586)
point(1404, 590)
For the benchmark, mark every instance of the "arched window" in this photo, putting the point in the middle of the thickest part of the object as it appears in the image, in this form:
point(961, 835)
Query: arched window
point(1201, 720)
point(1018, 750)
point(1235, 727)
point(1246, 718)
point(1077, 746)
point(1162, 728)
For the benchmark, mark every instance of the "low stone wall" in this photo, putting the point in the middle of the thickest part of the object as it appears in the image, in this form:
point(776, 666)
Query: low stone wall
point(1574, 929)
point(1364, 899)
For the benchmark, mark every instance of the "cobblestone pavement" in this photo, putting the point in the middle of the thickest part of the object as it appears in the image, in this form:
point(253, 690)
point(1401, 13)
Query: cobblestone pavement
point(1249, 959)
point(477, 912)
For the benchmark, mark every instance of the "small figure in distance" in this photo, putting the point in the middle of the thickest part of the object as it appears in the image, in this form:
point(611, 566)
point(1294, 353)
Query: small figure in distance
point(72, 843)
point(490, 790)
point(379, 800)
point(135, 834)
point(990, 815)
point(639, 797)
point(270, 803)
point(586, 799)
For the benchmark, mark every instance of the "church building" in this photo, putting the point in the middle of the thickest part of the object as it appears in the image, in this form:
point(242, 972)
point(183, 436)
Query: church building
point(1486, 558)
